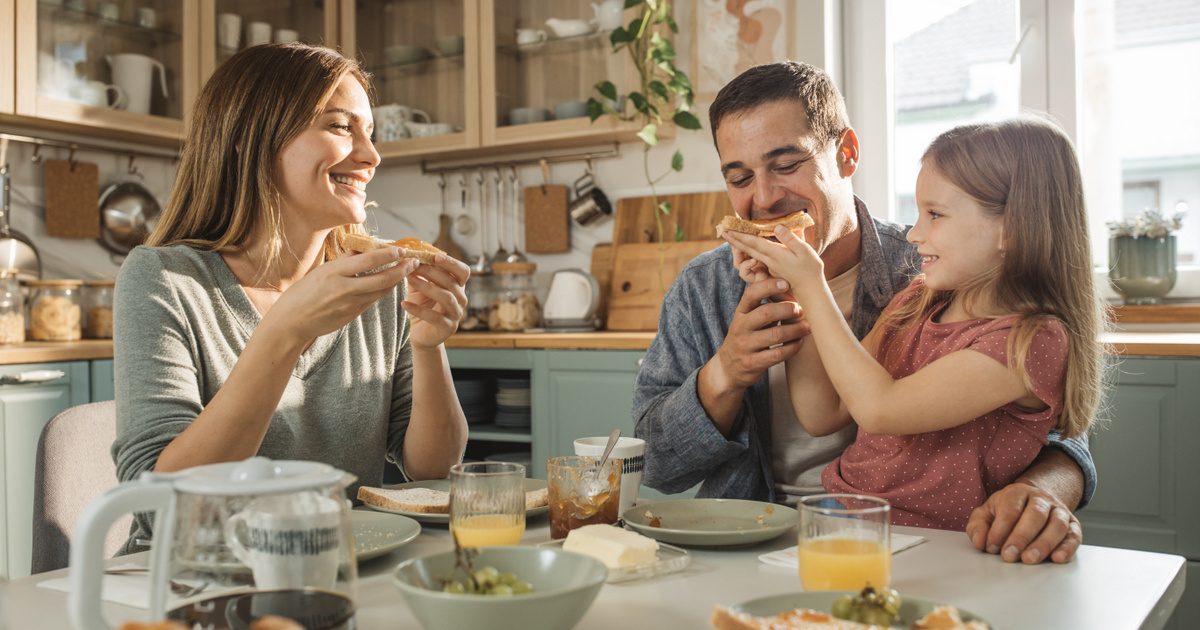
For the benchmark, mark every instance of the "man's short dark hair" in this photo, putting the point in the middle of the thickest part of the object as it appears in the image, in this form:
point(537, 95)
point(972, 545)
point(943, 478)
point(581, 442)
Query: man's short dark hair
point(784, 81)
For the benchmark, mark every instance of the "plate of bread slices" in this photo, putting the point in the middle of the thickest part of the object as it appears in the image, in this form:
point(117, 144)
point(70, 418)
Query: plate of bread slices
point(429, 501)
point(413, 247)
point(796, 222)
point(833, 610)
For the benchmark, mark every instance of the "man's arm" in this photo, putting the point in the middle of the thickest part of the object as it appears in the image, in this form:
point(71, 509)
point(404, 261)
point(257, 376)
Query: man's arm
point(1031, 519)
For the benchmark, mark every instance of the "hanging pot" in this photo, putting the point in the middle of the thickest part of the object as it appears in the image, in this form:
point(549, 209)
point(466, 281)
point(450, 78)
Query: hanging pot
point(128, 213)
point(17, 252)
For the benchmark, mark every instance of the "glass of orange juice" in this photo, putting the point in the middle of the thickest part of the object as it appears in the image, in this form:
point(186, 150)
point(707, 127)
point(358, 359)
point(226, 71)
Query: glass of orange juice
point(845, 542)
point(487, 503)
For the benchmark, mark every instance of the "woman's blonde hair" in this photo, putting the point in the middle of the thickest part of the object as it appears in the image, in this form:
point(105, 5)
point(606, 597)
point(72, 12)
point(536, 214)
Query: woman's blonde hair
point(1026, 171)
point(249, 110)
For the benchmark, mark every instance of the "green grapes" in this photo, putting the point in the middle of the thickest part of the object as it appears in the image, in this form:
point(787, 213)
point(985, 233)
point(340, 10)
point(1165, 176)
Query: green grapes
point(881, 608)
point(489, 581)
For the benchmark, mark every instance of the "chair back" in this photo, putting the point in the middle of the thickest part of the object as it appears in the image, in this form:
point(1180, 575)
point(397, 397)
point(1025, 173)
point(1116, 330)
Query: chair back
point(74, 466)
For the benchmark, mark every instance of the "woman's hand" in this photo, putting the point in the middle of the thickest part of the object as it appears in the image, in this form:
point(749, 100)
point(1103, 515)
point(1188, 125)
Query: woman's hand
point(791, 259)
point(336, 292)
point(437, 301)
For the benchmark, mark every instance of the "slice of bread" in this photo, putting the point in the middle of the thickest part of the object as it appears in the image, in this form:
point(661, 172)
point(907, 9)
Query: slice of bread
point(420, 500)
point(796, 222)
point(537, 498)
point(798, 619)
point(414, 248)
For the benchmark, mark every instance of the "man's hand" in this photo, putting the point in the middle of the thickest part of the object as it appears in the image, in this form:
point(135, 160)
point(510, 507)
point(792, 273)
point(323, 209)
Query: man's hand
point(1023, 522)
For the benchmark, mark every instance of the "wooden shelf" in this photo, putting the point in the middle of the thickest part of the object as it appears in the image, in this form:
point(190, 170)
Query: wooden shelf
point(1184, 312)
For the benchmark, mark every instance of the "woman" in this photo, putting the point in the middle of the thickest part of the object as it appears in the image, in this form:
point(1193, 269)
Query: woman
point(245, 328)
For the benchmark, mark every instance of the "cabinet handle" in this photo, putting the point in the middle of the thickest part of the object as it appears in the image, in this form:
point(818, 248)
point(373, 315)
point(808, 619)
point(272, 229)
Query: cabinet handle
point(32, 376)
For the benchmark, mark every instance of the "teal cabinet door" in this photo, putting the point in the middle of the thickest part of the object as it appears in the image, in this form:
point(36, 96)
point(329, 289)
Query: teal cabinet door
point(580, 393)
point(30, 395)
point(102, 380)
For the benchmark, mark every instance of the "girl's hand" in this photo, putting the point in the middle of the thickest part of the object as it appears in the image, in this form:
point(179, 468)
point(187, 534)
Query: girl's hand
point(336, 292)
point(791, 258)
point(437, 301)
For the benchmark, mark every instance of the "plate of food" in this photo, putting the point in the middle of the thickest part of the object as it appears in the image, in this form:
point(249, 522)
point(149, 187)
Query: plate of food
point(844, 611)
point(429, 501)
point(626, 554)
point(711, 522)
point(378, 534)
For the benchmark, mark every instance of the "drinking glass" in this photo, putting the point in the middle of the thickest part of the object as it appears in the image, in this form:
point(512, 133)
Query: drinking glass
point(582, 493)
point(487, 503)
point(845, 542)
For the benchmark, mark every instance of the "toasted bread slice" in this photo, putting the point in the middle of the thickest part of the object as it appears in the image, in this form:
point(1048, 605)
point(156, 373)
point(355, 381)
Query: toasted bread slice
point(414, 248)
point(420, 500)
point(537, 498)
point(796, 222)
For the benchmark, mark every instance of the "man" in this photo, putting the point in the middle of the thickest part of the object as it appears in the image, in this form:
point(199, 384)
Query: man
point(711, 398)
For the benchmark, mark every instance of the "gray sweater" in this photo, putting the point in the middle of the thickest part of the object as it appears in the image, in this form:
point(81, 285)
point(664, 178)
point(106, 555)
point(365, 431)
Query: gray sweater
point(181, 322)
point(683, 447)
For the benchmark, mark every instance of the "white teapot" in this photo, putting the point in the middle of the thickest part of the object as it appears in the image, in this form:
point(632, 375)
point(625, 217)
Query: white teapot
point(244, 538)
point(609, 14)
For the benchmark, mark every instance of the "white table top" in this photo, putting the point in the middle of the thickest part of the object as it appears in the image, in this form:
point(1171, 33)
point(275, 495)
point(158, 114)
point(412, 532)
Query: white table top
point(1100, 588)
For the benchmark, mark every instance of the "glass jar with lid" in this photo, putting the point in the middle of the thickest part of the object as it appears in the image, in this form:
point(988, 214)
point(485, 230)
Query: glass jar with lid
point(54, 310)
point(514, 305)
point(12, 309)
point(479, 302)
point(98, 309)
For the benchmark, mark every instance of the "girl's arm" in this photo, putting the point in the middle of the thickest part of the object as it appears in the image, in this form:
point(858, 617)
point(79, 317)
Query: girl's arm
point(815, 400)
point(233, 424)
point(948, 392)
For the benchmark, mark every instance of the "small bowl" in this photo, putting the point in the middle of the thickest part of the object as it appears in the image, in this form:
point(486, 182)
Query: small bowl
point(450, 46)
point(526, 115)
point(564, 586)
point(570, 109)
point(403, 53)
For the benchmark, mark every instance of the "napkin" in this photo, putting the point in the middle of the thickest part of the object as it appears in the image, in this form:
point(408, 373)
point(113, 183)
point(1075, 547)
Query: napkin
point(789, 558)
point(130, 589)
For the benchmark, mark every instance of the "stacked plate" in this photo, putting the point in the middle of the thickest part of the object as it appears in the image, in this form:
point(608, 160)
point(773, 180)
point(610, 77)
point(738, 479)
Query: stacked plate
point(475, 396)
point(512, 402)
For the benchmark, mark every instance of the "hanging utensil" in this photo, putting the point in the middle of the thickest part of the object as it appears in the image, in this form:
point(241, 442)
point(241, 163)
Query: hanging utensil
point(501, 254)
point(443, 240)
point(17, 253)
point(482, 265)
point(128, 213)
point(464, 222)
point(515, 201)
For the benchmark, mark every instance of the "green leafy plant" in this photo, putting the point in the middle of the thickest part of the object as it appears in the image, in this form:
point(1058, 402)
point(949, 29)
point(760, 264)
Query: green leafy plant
point(1149, 224)
point(664, 92)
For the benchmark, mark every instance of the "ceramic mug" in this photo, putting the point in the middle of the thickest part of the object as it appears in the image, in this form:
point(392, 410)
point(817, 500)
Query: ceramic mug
point(109, 11)
point(527, 36)
point(96, 93)
point(146, 17)
point(258, 33)
point(288, 541)
point(632, 450)
point(229, 30)
point(590, 204)
point(391, 121)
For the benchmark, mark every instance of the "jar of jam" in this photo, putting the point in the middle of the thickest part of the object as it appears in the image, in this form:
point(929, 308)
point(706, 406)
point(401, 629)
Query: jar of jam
point(515, 305)
point(479, 302)
point(98, 309)
point(12, 309)
point(55, 311)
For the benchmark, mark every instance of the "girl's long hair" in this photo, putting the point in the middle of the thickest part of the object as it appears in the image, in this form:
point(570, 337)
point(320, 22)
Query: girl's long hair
point(1026, 171)
point(254, 105)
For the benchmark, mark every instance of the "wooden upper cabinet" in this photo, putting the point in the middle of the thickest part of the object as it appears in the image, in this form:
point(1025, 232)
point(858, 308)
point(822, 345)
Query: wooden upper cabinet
point(423, 56)
point(109, 65)
point(227, 26)
point(8, 58)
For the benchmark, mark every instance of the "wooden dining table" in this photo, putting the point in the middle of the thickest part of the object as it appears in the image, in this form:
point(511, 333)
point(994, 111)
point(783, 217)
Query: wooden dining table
point(1101, 587)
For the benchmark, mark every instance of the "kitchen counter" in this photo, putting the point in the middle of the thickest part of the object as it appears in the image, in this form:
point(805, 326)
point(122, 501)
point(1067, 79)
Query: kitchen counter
point(1158, 344)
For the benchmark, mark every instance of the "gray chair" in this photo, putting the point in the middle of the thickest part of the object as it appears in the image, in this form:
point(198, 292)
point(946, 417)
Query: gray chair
point(74, 466)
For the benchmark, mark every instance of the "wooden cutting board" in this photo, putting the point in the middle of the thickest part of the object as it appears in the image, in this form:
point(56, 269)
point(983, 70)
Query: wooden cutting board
point(602, 266)
point(642, 273)
point(72, 199)
point(696, 213)
point(547, 227)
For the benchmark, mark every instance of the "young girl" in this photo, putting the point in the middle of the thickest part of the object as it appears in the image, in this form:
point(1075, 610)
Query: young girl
point(247, 328)
point(956, 387)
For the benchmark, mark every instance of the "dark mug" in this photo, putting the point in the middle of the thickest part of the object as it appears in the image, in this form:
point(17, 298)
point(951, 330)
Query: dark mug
point(590, 203)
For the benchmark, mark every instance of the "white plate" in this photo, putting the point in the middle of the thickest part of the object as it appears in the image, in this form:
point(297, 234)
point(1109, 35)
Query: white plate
point(911, 608)
point(711, 522)
point(377, 534)
point(670, 560)
point(444, 485)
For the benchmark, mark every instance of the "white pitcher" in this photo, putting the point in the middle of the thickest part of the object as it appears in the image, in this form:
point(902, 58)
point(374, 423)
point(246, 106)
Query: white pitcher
point(609, 14)
point(134, 74)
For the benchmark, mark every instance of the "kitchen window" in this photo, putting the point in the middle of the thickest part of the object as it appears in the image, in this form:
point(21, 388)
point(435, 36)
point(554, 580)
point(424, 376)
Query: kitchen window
point(1118, 75)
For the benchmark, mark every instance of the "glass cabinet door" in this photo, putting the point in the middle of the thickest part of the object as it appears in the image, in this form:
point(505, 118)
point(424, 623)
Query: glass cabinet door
point(423, 57)
point(546, 57)
point(8, 58)
point(117, 64)
point(228, 26)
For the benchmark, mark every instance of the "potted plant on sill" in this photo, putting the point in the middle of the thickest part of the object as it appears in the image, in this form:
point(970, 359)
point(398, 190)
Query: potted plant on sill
point(664, 93)
point(1141, 256)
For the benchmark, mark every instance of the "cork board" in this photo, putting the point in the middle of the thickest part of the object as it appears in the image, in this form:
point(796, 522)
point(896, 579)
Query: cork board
point(547, 226)
point(72, 199)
